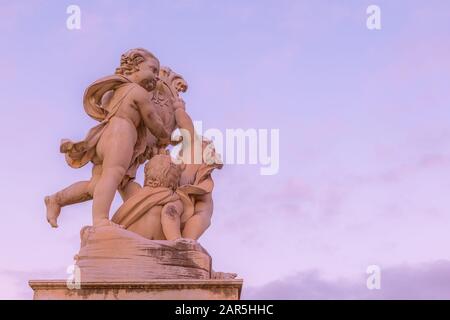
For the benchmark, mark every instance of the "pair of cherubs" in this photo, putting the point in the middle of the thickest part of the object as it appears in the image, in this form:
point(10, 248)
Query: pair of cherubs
point(131, 124)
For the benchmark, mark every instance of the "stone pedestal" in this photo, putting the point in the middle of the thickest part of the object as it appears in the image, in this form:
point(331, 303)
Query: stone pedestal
point(114, 263)
point(118, 255)
point(163, 289)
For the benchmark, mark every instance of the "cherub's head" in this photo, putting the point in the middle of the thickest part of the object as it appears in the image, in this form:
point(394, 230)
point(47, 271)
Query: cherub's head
point(161, 171)
point(140, 66)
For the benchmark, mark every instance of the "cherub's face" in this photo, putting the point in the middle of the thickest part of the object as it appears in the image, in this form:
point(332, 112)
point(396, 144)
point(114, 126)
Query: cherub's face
point(148, 73)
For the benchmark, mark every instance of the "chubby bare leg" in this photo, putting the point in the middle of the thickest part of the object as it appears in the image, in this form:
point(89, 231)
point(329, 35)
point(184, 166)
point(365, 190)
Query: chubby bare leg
point(76, 193)
point(196, 225)
point(170, 220)
point(115, 148)
point(104, 193)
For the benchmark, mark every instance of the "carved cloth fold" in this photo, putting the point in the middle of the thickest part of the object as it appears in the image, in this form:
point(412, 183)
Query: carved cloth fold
point(139, 204)
point(79, 153)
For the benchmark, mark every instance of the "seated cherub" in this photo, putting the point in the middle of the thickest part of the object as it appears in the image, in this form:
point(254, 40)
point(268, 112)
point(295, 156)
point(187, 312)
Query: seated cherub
point(176, 200)
point(154, 211)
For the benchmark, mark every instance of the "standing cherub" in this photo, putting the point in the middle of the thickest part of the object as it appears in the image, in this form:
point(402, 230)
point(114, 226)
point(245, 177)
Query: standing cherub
point(117, 145)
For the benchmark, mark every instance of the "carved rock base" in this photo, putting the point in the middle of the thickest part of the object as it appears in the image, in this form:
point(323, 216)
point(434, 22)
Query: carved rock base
point(114, 263)
point(164, 289)
point(115, 254)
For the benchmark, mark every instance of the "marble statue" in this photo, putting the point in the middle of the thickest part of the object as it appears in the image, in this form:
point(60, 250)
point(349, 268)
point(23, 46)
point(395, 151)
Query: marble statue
point(132, 125)
point(154, 233)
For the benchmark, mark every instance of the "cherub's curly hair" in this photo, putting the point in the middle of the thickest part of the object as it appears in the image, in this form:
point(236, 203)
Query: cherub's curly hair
point(161, 171)
point(130, 60)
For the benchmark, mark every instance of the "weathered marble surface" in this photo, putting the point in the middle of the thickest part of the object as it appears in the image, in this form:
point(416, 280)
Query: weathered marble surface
point(169, 289)
point(114, 254)
point(117, 264)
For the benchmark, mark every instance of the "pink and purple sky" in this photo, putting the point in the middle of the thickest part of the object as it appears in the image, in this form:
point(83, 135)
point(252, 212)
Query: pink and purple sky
point(363, 116)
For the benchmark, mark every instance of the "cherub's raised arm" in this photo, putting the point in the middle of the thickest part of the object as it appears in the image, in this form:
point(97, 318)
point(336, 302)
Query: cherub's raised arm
point(184, 122)
point(150, 116)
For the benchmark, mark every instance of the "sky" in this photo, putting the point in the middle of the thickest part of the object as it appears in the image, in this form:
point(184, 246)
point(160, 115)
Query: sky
point(364, 172)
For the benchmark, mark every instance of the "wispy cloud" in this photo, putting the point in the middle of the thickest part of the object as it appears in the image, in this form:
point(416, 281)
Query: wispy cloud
point(423, 281)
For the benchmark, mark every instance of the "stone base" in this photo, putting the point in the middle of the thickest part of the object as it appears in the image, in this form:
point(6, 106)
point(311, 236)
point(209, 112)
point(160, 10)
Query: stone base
point(113, 254)
point(164, 289)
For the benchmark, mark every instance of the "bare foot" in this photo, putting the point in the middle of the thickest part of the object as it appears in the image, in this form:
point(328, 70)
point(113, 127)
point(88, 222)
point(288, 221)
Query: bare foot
point(53, 210)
